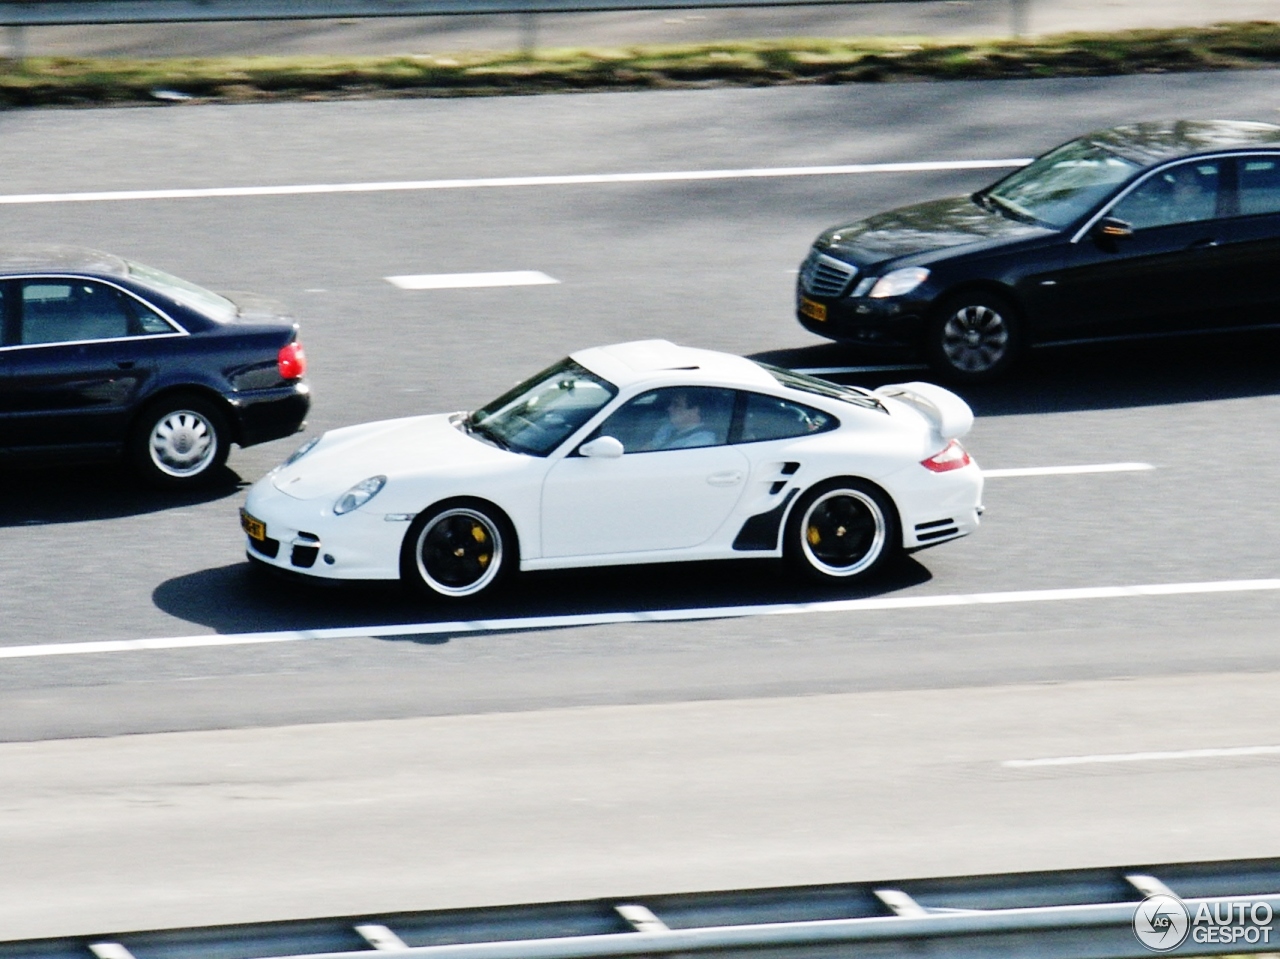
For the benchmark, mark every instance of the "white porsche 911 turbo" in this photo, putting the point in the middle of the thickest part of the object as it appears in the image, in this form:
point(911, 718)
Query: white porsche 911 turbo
point(642, 452)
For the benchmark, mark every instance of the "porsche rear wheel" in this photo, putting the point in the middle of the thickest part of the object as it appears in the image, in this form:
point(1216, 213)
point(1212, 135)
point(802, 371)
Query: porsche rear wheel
point(458, 551)
point(842, 531)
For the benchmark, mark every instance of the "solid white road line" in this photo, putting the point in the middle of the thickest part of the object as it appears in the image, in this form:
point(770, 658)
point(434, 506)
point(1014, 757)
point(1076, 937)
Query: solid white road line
point(645, 616)
point(1145, 757)
point(455, 281)
point(926, 166)
point(1067, 470)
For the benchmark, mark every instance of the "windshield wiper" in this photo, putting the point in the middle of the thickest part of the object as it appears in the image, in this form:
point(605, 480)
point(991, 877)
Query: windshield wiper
point(486, 432)
point(1011, 210)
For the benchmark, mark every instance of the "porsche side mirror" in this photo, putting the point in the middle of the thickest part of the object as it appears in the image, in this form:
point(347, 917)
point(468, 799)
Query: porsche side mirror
point(1110, 229)
point(602, 447)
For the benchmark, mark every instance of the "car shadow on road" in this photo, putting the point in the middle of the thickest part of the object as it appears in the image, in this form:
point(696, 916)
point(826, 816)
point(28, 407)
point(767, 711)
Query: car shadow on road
point(1086, 377)
point(243, 599)
point(38, 496)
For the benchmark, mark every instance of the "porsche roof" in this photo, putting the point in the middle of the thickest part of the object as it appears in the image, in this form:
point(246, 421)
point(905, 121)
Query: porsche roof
point(643, 360)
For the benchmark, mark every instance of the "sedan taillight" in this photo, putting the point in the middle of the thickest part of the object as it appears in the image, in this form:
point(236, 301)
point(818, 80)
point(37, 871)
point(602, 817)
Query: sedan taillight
point(952, 457)
point(292, 361)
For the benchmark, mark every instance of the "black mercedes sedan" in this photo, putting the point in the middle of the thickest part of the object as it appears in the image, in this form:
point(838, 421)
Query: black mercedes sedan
point(104, 357)
point(1148, 230)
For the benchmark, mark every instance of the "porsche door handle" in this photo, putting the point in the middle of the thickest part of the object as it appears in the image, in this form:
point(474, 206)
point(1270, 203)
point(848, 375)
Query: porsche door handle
point(727, 478)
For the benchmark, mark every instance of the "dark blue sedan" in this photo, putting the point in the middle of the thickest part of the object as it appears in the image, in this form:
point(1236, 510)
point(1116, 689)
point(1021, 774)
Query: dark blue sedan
point(102, 357)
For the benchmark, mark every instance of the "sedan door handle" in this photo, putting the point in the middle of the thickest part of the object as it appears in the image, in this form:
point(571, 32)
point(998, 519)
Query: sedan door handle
point(1203, 244)
point(727, 478)
point(126, 364)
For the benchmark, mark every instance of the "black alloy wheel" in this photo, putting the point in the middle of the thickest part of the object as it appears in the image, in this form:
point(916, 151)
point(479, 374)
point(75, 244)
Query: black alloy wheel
point(973, 338)
point(458, 551)
point(841, 531)
point(179, 441)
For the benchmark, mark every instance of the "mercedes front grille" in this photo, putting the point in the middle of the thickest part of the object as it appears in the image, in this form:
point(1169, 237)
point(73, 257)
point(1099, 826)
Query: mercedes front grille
point(823, 275)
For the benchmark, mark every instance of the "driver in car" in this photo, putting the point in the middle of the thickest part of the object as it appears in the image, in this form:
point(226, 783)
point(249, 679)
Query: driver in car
point(683, 428)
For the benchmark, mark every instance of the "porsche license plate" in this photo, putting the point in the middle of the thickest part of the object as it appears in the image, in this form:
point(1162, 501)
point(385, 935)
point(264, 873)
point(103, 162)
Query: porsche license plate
point(815, 311)
point(255, 529)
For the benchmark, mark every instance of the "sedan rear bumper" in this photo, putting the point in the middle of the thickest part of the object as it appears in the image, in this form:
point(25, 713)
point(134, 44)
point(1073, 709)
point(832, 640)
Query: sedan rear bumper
point(264, 415)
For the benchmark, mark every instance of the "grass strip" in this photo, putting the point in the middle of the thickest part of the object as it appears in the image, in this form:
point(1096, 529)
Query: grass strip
point(65, 81)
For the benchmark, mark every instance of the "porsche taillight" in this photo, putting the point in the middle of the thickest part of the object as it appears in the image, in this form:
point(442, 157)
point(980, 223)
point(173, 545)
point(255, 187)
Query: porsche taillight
point(292, 361)
point(952, 457)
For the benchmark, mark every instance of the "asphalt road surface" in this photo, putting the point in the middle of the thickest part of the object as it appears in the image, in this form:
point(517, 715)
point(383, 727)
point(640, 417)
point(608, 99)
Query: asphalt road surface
point(363, 754)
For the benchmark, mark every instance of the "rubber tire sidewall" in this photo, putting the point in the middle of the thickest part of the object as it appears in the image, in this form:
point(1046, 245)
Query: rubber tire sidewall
point(793, 549)
point(139, 443)
point(412, 579)
point(937, 358)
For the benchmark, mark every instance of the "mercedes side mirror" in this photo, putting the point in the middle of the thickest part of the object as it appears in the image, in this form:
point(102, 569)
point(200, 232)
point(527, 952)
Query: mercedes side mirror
point(602, 447)
point(1110, 229)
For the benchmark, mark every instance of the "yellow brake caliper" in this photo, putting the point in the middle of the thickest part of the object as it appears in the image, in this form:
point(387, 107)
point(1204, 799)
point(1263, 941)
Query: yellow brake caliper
point(479, 535)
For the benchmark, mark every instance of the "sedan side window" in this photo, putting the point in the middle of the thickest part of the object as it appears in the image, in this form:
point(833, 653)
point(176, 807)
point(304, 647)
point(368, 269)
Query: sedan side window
point(1259, 179)
point(674, 418)
point(68, 311)
point(771, 418)
point(1186, 193)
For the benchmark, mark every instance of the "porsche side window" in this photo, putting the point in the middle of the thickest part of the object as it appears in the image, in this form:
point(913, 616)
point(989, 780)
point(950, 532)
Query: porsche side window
point(1259, 179)
point(68, 311)
point(674, 418)
point(1186, 193)
point(771, 418)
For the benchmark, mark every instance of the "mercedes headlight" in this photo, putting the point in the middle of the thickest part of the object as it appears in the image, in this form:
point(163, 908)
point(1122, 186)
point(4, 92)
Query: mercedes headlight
point(898, 282)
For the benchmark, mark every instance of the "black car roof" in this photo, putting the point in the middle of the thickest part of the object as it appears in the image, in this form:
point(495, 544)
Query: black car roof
point(53, 258)
point(1151, 143)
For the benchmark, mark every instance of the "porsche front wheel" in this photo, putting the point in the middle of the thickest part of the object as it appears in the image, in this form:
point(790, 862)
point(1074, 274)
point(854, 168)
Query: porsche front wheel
point(458, 551)
point(842, 530)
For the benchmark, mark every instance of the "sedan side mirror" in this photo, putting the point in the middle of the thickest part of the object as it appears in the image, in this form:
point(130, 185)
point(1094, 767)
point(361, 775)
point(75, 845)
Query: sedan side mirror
point(1109, 228)
point(602, 447)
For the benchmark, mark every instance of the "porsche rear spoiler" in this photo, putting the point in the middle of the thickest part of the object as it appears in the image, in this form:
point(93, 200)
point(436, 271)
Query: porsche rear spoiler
point(948, 413)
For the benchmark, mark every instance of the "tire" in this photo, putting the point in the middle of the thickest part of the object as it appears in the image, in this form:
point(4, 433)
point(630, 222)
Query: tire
point(842, 531)
point(458, 550)
point(180, 441)
point(973, 338)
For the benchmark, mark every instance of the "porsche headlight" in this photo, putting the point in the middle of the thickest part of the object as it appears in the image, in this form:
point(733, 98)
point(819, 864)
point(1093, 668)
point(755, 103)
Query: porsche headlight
point(300, 452)
point(898, 282)
point(359, 494)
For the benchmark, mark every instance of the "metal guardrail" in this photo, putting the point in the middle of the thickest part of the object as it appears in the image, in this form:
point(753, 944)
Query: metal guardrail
point(32, 13)
point(1080, 914)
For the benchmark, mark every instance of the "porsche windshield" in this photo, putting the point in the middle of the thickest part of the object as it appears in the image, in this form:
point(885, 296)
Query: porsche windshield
point(1061, 186)
point(542, 412)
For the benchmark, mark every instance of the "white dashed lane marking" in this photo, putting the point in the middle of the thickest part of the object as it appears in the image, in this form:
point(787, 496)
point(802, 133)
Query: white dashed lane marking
point(456, 281)
point(647, 616)
point(585, 179)
point(1222, 753)
point(1068, 470)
